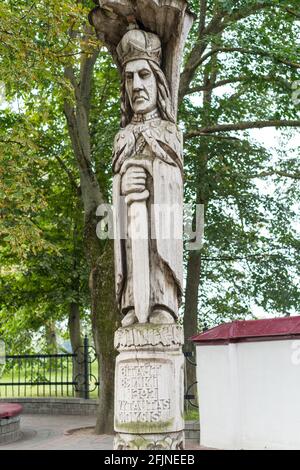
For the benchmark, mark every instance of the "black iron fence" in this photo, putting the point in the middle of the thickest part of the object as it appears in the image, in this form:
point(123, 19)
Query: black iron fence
point(51, 375)
point(191, 388)
point(62, 375)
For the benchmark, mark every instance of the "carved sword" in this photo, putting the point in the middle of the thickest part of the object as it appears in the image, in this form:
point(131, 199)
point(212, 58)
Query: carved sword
point(138, 229)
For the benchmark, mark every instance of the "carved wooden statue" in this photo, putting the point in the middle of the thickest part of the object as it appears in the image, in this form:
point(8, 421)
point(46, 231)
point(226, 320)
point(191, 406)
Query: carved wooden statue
point(146, 39)
point(147, 163)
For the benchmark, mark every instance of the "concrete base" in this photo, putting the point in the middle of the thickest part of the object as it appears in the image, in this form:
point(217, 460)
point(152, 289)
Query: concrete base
point(192, 431)
point(149, 387)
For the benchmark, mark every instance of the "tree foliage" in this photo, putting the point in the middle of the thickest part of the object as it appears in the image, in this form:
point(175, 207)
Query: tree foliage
point(56, 135)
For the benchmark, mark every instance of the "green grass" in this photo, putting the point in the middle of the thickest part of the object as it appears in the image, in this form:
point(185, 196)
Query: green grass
point(39, 391)
point(192, 414)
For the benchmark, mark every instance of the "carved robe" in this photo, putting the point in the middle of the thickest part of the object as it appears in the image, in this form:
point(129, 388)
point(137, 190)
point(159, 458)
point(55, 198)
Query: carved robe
point(158, 142)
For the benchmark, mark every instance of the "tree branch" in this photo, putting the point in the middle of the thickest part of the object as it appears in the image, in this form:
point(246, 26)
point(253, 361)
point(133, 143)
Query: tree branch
point(8, 141)
point(221, 137)
point(70, 175)
point(86, 75)
point(78, 126)
point(243, 13)
point(285, 174)
point(292, 12)
point(240, 126)
point(69, 74)
point(202, 20)
point(240, 258)
point(218, 84)
point(87, 64)
point(244, 78)
point(218, 23)
point(243, 50)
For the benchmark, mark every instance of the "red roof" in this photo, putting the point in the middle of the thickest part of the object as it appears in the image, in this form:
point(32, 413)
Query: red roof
point(10, 410)
point(247, 330)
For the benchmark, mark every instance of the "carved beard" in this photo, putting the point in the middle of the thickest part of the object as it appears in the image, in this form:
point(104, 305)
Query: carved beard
point(164, 103)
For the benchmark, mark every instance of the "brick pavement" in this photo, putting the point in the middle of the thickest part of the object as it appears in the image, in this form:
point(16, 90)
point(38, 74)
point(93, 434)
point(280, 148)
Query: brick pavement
point(44, 432)
point(41, 432)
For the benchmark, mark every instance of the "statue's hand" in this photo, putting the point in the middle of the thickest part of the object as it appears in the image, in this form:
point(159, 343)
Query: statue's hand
point(134, 180)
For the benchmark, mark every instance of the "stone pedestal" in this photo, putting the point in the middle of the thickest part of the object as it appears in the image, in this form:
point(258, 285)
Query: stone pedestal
point(9, 430)
point(149, 387)
point(9, 422)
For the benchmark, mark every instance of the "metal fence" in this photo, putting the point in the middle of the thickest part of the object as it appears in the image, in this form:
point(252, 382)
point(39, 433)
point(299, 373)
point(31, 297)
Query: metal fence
point(191, 389)
point(51, 375)
point(62, 375)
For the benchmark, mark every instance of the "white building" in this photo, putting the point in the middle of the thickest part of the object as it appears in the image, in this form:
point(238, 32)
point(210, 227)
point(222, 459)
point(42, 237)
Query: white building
point(249, 384)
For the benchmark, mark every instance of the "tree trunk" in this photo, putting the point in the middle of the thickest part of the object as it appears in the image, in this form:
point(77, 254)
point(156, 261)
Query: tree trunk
point(190, 320)
point(194, 261)
point(51, 340)
point(76, 343)
point(104, 311)
point(105, 321)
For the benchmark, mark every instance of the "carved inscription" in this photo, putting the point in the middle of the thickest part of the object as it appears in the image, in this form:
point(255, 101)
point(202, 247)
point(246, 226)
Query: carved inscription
point(144, 394)
point(141, 336)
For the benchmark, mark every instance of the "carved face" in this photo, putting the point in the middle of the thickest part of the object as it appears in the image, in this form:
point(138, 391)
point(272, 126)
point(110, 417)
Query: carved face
point(141, 86)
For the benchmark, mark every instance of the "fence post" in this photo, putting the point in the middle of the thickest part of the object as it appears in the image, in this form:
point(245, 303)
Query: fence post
point(86, 368)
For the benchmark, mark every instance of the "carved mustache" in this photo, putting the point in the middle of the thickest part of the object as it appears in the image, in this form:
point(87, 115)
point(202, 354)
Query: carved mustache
point(144, 94)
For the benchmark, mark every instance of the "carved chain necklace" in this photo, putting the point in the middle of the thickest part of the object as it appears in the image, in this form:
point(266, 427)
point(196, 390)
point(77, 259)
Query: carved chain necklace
point(140, 118)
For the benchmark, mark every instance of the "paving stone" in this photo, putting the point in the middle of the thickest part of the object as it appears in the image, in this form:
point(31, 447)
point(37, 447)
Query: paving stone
point(41, 432)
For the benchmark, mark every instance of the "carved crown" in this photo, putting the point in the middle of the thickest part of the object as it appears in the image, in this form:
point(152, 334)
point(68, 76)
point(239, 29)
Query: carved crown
point(138, 44)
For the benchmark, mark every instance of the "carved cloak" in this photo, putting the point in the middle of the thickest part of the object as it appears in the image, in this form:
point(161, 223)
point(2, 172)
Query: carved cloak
point(164, 141)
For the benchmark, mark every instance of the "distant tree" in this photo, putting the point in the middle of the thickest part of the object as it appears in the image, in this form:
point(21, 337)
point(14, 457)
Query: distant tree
point(238, 75)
